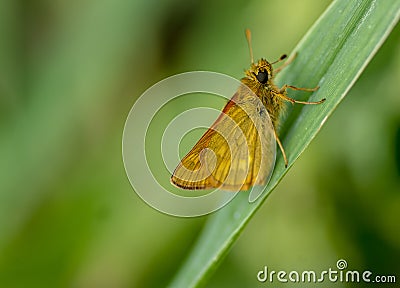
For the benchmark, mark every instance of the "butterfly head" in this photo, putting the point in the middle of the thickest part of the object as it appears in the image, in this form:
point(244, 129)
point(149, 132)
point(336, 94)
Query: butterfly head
point(260, 72)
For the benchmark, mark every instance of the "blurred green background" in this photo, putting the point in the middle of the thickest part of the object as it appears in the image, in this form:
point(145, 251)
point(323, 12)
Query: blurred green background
point(69, 73)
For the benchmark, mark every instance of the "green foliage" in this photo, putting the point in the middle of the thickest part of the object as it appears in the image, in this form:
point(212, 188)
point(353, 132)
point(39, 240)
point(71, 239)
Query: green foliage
point(70, 72)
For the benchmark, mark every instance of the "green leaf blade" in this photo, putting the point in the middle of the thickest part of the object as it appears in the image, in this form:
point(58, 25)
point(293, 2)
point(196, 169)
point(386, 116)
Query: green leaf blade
point(332, 55)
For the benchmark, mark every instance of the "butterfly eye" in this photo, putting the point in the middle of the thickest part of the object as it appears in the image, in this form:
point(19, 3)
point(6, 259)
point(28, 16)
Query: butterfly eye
point(262, 77)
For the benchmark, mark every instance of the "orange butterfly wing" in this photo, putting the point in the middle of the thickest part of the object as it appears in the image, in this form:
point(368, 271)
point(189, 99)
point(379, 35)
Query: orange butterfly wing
point(235, 153)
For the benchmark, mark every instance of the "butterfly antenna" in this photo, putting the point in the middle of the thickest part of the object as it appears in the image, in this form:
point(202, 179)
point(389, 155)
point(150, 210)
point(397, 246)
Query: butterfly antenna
point(248, 38)
point(280, 59)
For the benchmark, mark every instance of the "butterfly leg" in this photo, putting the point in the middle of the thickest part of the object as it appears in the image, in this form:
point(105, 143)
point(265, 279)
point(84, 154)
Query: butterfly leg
point(282, 94)
point(281, 147)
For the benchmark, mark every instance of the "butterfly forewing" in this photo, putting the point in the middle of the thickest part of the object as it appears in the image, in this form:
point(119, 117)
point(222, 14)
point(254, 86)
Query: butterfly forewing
point(235, 153)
